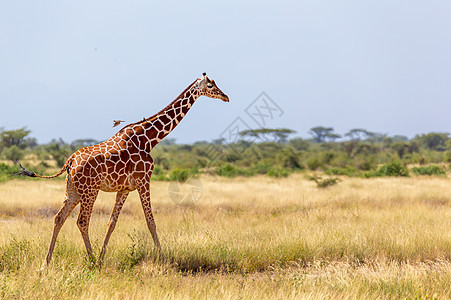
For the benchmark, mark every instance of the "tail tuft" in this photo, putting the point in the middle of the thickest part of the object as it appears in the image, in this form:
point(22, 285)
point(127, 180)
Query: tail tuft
point(25, 172)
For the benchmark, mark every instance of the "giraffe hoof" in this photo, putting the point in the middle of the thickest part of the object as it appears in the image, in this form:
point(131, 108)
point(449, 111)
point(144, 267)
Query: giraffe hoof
point(43, 268)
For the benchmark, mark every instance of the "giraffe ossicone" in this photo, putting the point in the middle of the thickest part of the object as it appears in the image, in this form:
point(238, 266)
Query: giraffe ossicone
point(121, 164)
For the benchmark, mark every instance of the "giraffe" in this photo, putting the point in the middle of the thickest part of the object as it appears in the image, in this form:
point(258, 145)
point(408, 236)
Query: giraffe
point(121, 164)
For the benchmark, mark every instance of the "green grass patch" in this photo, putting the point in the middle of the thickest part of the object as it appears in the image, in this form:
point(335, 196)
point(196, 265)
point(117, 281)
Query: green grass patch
point(14, 255)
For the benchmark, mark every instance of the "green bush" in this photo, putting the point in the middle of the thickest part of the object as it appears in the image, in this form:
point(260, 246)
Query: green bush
point(13, 153)
point(261, 168)
point(277, 173)
point(366, 164)
point(327, 157)
point(369, 174)
point(158, 174)
point(290, 160)
point(228, 170)
point(447, 156)
point(429, 170)
point(348, 171)
point(313, 163)
point(157, 170)
point(59, 151)
point(181, 175)
point(394, 168)
point(7, 172)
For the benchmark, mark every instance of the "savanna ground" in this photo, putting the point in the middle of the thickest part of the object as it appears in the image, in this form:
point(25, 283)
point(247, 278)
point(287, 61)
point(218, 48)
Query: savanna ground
point(254, 238)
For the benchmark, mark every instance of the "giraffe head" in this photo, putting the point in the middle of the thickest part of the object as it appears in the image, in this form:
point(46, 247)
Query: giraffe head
point(208, 88)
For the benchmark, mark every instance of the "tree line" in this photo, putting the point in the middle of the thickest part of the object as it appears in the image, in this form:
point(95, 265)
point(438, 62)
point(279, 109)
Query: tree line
point(274, 152)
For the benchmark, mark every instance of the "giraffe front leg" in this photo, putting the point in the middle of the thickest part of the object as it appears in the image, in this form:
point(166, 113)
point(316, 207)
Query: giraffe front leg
point(144, 194)
point(120, 199)
point(86, 204)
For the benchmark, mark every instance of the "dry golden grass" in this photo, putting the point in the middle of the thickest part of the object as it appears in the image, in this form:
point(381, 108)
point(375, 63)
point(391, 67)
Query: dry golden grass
point(245, 238)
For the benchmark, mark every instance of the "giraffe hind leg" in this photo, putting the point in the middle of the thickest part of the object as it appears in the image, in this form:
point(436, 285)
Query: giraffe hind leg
point(86, 205)
point(71, 200)
point(144, 194)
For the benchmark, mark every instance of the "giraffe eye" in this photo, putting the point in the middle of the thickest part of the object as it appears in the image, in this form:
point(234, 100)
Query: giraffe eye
point(209, 86)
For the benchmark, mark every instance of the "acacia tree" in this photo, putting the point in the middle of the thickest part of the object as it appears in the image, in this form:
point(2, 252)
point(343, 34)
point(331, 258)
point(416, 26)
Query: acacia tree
point(16, 137)
point(279, 135)
point(321, 134)
point(357, 134)
point(376, 137)
point(59, 150)
point(80, 143)
point(434, 141)
point(299, 144)
point(13, 153)
point(401, 148)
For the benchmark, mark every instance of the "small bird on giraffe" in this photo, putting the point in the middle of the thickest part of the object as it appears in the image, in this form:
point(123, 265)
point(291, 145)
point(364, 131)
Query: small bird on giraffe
point(117, 122)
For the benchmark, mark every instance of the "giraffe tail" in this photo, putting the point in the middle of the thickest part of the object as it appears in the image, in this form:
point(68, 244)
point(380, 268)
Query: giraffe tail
point(66, 167)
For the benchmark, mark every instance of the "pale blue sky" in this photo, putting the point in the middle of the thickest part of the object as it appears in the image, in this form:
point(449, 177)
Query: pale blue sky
point(68, 68)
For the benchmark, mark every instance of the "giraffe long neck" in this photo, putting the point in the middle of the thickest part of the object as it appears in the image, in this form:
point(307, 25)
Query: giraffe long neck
point(147, 133)
point(167, 119)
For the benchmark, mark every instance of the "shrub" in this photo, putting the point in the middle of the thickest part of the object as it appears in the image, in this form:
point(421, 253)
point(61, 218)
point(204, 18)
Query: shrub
point(228, 170)
point(327, 157)
point(7, 172)
point(59, 151)
point(447, 156)
point(394, 168)
point(261, 168)
point(13, 153)
point(158, 174)
point(157, 170)
point(366, 165)
point(429, 170)
point(181, 175)
point(277, 173)
point(323, 183)
point(421, 160)
point(313, 163)
point(348, 171)
point(290, 160)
